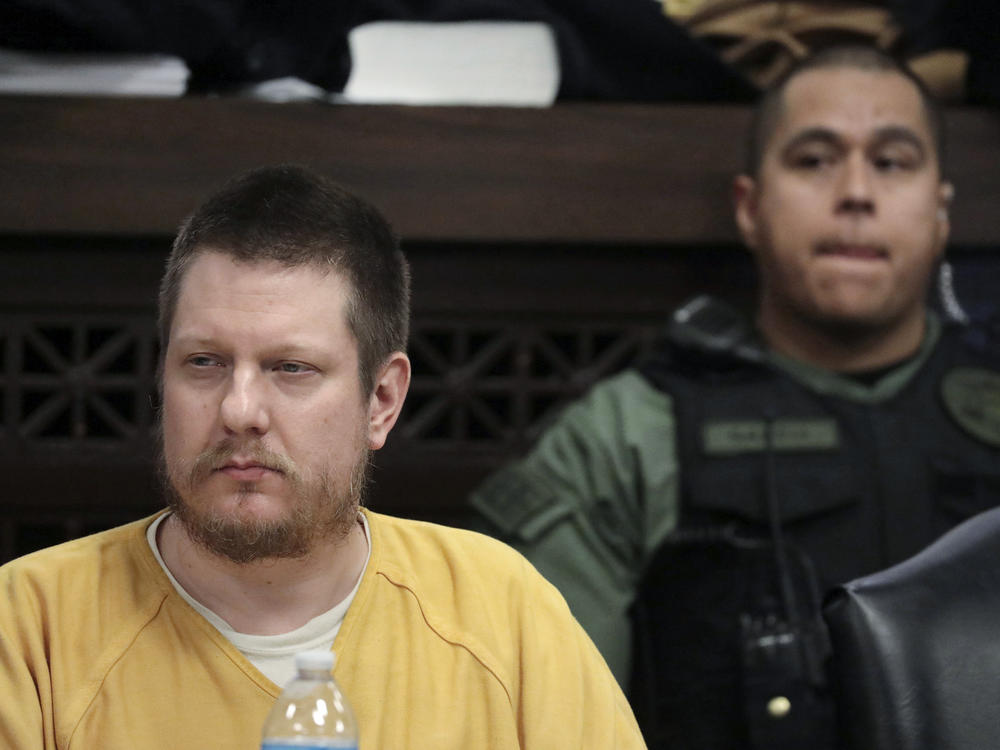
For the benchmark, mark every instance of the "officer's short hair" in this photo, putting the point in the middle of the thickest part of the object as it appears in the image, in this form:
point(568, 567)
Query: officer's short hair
point(857, 57)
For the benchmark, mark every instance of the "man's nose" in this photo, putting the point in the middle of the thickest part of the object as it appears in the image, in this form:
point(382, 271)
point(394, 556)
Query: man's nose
point(244, 405)
point(855, 190)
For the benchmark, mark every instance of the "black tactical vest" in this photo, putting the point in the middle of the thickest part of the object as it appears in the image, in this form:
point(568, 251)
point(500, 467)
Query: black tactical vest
point(786, 491)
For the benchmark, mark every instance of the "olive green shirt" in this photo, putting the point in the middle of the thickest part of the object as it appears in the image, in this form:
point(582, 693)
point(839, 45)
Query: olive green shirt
point(599, 492)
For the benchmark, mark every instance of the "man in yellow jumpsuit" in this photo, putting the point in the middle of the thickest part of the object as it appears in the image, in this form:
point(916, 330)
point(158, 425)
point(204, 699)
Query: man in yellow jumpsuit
point(284, 313)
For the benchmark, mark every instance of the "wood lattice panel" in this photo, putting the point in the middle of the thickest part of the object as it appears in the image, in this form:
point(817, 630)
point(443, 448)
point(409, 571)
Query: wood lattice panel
point(79, 378)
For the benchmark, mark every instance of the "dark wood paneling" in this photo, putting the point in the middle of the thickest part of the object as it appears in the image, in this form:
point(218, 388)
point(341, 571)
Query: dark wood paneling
point(594, 173)
point(574, 172)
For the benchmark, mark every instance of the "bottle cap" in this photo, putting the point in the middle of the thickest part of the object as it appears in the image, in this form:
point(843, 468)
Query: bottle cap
point(314, 660)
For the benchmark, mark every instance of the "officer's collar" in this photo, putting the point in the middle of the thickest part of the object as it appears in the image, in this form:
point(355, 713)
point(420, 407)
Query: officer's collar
point(846, 386)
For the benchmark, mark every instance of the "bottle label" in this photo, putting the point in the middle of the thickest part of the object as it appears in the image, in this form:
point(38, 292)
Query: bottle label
point(306, 745)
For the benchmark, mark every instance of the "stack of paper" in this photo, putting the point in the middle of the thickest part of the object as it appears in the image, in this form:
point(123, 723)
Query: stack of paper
point(513, 63)
point(469, 62)
point(91, 74)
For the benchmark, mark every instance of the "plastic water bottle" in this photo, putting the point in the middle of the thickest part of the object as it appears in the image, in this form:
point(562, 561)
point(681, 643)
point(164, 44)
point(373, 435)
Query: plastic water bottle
point(311, 712)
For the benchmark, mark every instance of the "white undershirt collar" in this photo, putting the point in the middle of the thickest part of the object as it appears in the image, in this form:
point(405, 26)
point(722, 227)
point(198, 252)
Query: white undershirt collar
point(274, 655)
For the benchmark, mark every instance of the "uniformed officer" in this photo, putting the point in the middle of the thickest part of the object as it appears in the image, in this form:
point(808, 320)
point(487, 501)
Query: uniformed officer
point(694, 508)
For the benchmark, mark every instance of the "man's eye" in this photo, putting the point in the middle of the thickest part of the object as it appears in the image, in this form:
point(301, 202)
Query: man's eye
point(292, 367)
point(202, 360)
point(810, 160)
point(891, 162)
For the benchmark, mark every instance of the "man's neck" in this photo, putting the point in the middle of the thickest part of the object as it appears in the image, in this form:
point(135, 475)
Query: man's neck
point(842, 348)
point(265, 597)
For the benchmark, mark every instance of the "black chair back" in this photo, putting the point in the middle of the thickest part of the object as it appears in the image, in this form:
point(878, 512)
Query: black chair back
point(916, 647)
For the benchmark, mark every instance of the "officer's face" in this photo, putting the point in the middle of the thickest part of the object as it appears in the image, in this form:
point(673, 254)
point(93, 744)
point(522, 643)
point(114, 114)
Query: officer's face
point(847, 216)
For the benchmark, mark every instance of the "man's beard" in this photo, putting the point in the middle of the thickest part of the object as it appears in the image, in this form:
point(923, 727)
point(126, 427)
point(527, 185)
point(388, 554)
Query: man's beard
point(323, 507)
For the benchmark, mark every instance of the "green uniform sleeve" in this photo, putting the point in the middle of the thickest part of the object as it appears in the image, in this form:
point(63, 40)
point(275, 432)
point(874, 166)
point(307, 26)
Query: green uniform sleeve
point(591, 502)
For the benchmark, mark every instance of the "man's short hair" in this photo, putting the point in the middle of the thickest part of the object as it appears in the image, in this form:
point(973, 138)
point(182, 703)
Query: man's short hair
point(856, 57)
point(293, 216)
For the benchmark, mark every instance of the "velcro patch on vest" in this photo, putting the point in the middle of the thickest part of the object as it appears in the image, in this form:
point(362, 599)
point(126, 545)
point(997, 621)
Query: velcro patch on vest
point(972, 397)
point(730, 437)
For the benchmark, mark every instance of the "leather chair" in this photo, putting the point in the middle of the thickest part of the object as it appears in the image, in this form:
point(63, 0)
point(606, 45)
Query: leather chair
point(916, 647)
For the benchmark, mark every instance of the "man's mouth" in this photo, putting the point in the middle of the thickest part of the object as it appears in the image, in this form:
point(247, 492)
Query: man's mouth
point(245, 471)
point(852, 250)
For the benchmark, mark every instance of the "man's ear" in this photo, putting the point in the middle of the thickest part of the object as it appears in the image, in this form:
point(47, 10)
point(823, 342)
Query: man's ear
point(387, 398)
point(744, 195)
point(946, 191)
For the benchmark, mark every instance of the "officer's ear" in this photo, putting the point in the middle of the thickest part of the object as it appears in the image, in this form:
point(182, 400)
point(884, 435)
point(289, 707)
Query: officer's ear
point(946, 191)
point(744, 196)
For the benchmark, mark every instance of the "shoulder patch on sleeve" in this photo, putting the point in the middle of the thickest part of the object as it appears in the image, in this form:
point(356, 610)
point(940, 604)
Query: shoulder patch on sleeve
point(517, 505)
